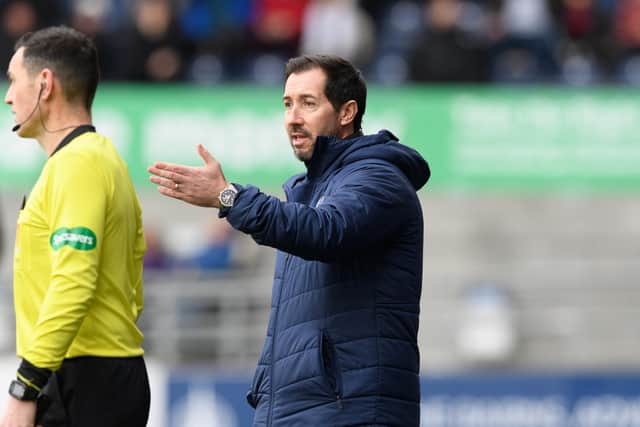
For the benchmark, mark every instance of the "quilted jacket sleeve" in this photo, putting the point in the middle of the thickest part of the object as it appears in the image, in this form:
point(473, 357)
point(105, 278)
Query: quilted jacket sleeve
point(366, 207)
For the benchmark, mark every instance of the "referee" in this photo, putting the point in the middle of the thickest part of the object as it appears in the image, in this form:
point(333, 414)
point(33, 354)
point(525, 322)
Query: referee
point(78, 253)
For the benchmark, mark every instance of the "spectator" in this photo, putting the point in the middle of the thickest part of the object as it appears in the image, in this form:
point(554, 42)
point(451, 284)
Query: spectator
point(275, 35)
point(338, 27)
point(585, 45)
point(627, 32)
point(525, 19)
point(220, 30)
point(18, 17)
point(377, 10)
point(277, 25)
point(627, 24)
point(91, 19)
point(216, 255)
point(444, 52)
point(156, 257)
point(156, 50)
point(522, 41)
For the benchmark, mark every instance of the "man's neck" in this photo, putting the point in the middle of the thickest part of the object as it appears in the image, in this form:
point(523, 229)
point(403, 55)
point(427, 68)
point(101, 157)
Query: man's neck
point(56, 127)
point(346, 132)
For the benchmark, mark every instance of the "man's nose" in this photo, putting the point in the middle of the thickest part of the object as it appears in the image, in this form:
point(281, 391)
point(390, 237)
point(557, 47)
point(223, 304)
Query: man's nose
point(293, 116)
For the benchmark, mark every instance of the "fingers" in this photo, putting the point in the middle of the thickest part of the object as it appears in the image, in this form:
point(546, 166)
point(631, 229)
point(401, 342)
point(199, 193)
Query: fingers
point(211, 162)
point(171, 192)
point(164, 182)
point(172, 189)
point(187, 183)
point(174, 171)
point(206, 156)
point(188, 198)
point(175, 193)
point(163, 169)
point(160, 172)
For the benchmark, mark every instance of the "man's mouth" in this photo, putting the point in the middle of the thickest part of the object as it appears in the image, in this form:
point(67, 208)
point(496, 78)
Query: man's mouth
point(298, 138)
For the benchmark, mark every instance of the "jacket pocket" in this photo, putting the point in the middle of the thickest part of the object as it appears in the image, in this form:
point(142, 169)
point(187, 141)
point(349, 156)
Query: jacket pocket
point(330, 366)
point(253, 394)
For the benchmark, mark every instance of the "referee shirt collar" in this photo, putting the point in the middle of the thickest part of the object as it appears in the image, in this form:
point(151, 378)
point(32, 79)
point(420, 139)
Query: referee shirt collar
point(72, 135)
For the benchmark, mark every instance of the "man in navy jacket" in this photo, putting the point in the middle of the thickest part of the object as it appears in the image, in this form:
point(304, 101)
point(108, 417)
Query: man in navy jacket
point(341, 346)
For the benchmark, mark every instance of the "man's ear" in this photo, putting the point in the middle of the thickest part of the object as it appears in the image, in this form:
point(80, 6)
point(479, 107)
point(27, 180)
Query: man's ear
point(348, 112)
point(46, 83)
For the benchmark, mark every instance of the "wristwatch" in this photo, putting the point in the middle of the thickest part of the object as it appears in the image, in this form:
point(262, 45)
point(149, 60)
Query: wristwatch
point(228, 196)
point(22, 391)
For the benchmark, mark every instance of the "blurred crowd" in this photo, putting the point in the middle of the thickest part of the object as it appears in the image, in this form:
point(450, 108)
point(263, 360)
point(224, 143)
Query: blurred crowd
point(576, 42)
point(210, 245)
point(191, 248)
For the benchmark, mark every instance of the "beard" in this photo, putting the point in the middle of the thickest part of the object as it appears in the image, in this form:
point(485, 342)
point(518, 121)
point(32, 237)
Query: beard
point(305, 153)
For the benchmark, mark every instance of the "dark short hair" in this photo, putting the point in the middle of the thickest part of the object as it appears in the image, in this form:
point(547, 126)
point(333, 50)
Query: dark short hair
point(70, 54)
point(344, 81)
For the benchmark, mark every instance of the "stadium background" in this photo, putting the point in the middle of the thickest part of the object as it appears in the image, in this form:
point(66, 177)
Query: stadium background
point(529, 115)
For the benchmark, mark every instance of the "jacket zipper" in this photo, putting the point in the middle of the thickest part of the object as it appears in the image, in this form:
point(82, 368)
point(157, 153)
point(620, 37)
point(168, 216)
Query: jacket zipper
point(333, 371)
point(273, 339)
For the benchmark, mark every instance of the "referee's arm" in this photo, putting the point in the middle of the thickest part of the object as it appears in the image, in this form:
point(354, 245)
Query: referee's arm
point(77, 204)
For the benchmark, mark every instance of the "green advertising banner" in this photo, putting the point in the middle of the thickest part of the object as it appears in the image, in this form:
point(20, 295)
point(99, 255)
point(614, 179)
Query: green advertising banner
point(475, 138)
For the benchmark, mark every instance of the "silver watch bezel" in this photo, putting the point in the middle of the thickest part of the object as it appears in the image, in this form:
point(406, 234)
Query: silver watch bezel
point(228, 196)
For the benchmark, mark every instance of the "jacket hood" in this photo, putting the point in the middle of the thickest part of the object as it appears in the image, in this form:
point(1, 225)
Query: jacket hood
point(332, 153)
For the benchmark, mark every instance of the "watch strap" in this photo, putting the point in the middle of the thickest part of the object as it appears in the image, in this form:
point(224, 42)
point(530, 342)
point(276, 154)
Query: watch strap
point(22, 391)
point(32, 375)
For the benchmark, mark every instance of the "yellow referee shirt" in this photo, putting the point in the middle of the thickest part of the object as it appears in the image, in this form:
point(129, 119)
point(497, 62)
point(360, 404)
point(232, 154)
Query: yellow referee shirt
point(78, 257)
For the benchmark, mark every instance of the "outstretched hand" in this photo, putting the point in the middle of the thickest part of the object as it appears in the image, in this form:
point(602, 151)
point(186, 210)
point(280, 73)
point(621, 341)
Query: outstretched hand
point(198, 185)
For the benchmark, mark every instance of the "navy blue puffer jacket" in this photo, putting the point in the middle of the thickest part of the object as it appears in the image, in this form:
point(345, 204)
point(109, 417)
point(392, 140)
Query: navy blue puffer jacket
point(341, 346)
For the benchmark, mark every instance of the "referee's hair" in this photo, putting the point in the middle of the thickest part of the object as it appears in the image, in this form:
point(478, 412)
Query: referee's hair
point(70, 54)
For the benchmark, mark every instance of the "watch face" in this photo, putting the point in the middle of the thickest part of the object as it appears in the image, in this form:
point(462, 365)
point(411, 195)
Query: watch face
point(17, 390)
point(21, 391)
point(227, 197)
